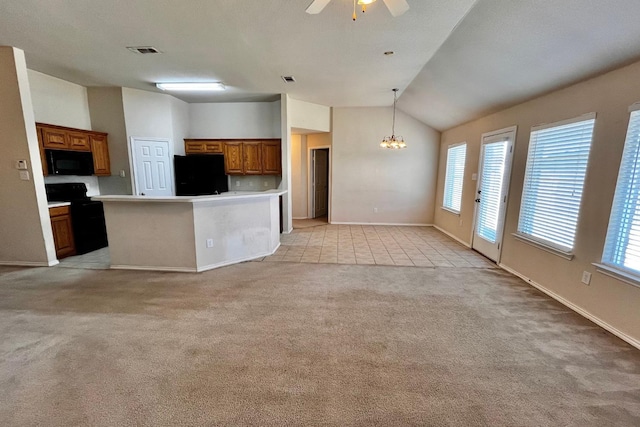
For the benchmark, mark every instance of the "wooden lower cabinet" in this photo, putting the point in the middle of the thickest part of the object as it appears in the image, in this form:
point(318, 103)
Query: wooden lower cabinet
point(62, 231)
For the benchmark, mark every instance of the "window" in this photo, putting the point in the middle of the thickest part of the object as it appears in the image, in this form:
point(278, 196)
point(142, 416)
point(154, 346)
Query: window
point(554, 177)
point(622, 246)
point(454, 176)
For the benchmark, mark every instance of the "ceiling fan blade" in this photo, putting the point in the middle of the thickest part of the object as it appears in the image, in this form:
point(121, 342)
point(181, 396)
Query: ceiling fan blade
point(397, 7)
point(316, 6)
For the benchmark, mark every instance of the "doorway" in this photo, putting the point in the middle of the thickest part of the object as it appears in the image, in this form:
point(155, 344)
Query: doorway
point(496, 153)
point(319, 183)
point(151, 167)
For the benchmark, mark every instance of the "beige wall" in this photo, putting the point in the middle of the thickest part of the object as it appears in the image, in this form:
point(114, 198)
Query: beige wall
point(107, 115)
point(610, 95)
point(400, 184)
point(309, 117)
point(59, 102)
point(235, 120)
point(25, 230)
point(298, 176)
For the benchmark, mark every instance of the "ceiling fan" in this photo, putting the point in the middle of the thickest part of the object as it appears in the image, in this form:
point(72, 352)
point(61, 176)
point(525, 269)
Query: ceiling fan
point(396, 7)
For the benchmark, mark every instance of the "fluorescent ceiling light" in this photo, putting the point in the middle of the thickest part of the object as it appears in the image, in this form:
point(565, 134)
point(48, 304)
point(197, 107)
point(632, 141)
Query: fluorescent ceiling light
point(195, 86)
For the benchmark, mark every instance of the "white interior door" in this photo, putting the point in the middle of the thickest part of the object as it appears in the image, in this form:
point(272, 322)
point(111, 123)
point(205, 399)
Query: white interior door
point(320, 182)
point(152, 170)
point(491, 197)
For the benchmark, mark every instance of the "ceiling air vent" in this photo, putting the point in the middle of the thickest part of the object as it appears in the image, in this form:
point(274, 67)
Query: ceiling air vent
point(288, 79)
point(144, 50)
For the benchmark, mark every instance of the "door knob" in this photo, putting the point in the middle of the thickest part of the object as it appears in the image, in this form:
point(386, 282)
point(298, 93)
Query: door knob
point(477, 200)
point(142, 194)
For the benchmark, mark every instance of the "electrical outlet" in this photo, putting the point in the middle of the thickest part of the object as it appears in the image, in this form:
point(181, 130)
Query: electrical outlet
point(122, 173)
point(209, 243)
point(586, 277)
point(24, 175)
point(250, 183)
point(21, 164)
point(266, 183)
point(375, 210)
point(460, 222)
point(237, 183)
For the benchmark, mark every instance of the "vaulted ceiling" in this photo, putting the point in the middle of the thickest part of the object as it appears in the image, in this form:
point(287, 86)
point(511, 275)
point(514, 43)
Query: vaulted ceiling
point(454, 60)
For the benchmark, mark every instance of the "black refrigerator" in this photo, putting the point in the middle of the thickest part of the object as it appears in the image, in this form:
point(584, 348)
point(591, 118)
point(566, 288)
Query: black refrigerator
point(197, 175)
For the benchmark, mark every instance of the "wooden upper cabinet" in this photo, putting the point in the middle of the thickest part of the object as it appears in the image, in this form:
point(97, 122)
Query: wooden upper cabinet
point(271, 158)
point(194, 147)
point(214, 147)
point(201, 146)
point(252, 158)
point(54, 138)
point(100, 150)
point(233, 158)
point(79, 141)
point(43, 158)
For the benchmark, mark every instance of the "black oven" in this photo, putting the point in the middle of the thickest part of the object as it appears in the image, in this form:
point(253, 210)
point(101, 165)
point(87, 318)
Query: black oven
point(61, 162)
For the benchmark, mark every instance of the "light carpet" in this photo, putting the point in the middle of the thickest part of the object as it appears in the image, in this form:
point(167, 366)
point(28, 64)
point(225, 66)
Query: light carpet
point(303, 344)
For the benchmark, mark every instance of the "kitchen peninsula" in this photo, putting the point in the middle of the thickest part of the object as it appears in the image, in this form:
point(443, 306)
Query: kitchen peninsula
point(191, 233)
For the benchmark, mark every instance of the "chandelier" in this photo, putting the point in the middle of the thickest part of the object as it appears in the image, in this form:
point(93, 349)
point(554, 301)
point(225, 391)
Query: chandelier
point(393, 142)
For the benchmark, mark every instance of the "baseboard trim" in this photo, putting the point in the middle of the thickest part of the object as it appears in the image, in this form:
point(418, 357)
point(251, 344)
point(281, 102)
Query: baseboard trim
point(225, 263)
point(381, 223)
point(153, 268)
point(457, 239)
point(30, 263)
point(301, 217)
point(581, 311)
point(192, 270)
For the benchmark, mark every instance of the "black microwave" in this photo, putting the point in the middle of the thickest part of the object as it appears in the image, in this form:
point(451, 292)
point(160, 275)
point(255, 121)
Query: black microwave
point(62, 162)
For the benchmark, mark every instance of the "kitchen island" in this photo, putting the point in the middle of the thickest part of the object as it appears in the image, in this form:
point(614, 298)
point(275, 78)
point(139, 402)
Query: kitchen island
point(191, 233)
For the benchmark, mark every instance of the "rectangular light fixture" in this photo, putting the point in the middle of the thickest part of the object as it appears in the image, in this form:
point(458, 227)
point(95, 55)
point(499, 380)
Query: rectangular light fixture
point(193, 86)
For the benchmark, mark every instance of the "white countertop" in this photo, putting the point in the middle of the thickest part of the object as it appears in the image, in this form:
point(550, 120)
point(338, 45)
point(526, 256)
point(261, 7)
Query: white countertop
point(58, 204)
point(231, 195)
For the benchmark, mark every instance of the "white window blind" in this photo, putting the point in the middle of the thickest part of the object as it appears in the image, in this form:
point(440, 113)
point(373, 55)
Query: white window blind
point(491, 189)
point(622, 246)
point(553, 182)
point(454, 177)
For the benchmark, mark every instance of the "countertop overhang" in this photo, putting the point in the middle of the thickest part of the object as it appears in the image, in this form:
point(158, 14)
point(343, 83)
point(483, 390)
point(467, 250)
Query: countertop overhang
point(231, 195)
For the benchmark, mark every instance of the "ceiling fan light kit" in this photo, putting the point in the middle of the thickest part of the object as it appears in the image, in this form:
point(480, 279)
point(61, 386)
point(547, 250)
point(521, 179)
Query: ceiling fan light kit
point(393, 142)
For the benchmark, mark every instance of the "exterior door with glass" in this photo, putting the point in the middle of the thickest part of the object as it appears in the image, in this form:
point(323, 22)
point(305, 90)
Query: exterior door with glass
point(491, 195)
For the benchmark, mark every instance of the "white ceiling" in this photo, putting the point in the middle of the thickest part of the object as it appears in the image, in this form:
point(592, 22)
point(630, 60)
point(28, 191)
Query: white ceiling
point(454, 59)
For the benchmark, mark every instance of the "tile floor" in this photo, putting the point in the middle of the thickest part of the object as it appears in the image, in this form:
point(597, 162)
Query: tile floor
point(348, 244)
point(382, 245)
point(96, 260)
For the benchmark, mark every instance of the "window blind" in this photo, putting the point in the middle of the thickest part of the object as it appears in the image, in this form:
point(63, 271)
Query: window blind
point(554, 178)
point(454, 177)
point(493, 164)
point(622, 245)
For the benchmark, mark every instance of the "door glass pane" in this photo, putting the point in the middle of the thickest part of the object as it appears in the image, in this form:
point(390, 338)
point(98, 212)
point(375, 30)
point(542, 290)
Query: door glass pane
point(491, 189)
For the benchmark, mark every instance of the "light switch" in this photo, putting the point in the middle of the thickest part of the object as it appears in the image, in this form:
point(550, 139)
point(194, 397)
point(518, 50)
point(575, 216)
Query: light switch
point(474, 177)
point(24, 175)
point(21, 164)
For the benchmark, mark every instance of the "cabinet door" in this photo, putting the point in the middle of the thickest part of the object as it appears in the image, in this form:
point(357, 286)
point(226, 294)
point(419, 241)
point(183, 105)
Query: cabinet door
point(252, 158)
point(43, 158)
point(213, 147)
point(63, 235)
point(54, 138)
point(100, 151)
point(233, 159)
point(194, 147)
point(79, 141)
point(271, 158)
